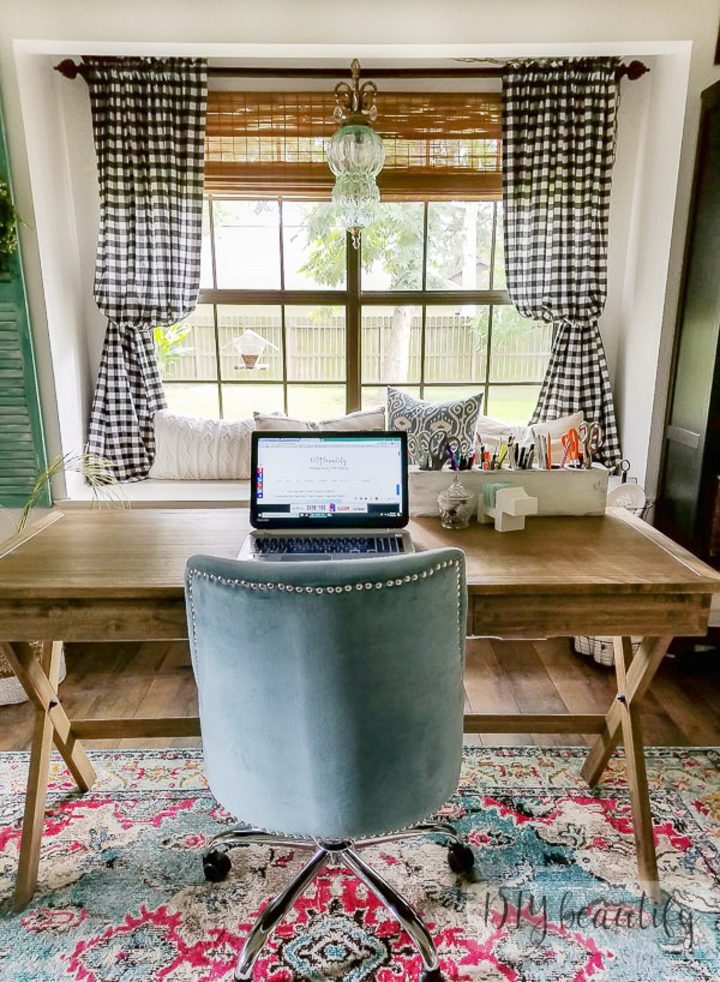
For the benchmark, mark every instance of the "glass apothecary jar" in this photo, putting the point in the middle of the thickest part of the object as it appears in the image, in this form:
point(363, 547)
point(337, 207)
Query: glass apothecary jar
point(456, 505)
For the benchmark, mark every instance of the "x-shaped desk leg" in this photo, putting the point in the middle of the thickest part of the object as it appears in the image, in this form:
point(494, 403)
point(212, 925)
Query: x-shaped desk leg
point(39, 678)
point(634, 675)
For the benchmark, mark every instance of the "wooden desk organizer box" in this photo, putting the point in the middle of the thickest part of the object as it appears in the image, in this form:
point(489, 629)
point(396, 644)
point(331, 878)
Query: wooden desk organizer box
point(559, 491)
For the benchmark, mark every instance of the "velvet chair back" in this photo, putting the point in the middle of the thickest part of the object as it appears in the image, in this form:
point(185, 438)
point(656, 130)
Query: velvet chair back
point(331, 693)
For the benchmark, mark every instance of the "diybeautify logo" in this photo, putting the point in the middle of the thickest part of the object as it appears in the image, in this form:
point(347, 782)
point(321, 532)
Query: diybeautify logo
point(574, 911)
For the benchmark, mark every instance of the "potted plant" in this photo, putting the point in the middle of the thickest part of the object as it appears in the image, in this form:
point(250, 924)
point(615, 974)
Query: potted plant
point(9, 220)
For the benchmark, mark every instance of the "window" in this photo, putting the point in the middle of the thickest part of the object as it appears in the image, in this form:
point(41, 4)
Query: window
point(422, 305)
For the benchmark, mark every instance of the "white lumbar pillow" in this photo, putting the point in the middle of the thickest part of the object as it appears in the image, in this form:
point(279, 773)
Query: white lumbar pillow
point(491, 433)
point(363, 419)
point(557, 428)
point(193, 449)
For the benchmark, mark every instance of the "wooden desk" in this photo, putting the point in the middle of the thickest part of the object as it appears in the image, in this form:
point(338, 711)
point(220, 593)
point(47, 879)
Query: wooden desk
point(118, 575)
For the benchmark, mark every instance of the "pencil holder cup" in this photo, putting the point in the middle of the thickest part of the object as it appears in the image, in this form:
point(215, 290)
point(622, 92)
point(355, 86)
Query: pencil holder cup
point(456, 506)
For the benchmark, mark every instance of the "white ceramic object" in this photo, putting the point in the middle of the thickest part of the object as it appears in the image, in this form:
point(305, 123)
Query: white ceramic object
point(630, 496)
point(510, 509)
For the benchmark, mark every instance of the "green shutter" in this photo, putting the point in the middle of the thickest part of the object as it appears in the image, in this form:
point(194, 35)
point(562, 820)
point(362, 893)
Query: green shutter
point(22, 448)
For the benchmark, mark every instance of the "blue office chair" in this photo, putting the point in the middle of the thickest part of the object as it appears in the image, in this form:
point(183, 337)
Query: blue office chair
point(331, 707)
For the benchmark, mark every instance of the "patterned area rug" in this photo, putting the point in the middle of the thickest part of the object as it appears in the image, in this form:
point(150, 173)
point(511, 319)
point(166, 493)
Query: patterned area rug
point(553, 899)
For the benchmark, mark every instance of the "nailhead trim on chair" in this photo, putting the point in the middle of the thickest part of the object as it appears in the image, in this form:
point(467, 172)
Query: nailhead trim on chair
point(341, 588)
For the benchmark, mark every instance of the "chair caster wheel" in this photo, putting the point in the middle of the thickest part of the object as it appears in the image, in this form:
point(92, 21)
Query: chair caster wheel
point(461, 858)
point(216, 866)
point(431, 975)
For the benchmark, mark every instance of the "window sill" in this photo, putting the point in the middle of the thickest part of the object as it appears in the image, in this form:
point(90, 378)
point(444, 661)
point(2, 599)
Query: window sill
point(152, 493)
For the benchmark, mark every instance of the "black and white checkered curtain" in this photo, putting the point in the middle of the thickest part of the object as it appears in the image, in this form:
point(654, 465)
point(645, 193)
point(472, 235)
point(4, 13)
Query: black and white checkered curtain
point(559, 127)
point(149, 125)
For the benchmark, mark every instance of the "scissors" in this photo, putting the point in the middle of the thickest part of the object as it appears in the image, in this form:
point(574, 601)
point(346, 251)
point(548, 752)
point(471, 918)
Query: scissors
point(591, 437)
point(571, 446)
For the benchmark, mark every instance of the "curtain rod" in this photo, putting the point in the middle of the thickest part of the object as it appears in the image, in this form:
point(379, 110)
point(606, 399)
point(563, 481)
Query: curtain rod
point(632, 71)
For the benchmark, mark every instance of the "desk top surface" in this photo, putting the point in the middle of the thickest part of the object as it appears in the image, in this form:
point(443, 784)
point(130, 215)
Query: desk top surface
point(142, 552)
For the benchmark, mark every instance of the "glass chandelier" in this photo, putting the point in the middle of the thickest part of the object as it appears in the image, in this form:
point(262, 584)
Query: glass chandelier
point(355, 154)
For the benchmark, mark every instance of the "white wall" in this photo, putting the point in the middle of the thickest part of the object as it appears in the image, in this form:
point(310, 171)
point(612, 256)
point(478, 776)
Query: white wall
point(642, 355)
point(627, 179)
point(45, 118)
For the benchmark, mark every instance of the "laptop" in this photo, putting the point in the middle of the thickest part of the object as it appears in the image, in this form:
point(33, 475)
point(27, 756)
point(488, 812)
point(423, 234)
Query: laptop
point(321, 495)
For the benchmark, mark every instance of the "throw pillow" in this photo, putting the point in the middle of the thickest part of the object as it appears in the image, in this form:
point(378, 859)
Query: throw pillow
point(193, 449)
point(556, 428)
point(492, 432)
point(430, 424)
point(362, 419)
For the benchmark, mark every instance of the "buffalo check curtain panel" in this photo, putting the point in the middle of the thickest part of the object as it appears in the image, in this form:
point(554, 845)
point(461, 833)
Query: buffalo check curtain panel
point(559, 129)
point(148, 120)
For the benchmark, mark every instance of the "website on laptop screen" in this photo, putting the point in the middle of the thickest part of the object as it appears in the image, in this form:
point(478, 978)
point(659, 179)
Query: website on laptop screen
point(328, 480)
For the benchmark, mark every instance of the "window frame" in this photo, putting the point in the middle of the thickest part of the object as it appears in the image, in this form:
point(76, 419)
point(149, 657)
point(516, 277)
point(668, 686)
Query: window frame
point(353, 298)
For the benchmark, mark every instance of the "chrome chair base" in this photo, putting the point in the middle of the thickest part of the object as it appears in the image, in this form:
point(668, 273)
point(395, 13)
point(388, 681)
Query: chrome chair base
point(216, 865)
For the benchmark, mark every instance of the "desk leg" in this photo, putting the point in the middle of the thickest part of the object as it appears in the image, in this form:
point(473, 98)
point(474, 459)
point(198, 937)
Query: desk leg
point(39, 678)
point(636, 773)
point(37, 686)
point(37, 784)
point(639, 676)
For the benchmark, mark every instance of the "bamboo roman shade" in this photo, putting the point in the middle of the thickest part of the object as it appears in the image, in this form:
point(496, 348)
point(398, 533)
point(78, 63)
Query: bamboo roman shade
point(437, 144)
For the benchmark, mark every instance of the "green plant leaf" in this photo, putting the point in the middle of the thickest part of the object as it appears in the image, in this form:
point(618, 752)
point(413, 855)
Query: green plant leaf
point(97, 472)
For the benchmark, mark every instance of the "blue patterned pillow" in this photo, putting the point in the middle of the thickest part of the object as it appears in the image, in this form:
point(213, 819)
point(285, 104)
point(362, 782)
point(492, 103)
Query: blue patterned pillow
point(430, 424)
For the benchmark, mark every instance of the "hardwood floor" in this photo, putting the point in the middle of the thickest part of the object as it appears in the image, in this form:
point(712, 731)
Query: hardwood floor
point(148, 679)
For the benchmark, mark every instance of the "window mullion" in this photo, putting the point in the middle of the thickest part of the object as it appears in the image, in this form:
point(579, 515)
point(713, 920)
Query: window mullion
point(352, 327)
point(283, 320)
point(487, 360)
point(493, 237)
point(491, 283)
point(218, 363)
point(423, 309)
point(216, 329)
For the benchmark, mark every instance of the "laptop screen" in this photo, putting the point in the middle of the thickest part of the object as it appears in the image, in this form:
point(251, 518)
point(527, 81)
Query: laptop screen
point(329, 480)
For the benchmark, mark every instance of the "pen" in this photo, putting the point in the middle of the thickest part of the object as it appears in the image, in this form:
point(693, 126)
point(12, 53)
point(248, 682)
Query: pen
point(451, 456)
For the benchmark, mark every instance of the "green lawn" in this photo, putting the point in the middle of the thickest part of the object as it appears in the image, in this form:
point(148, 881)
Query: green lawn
point(511, 403)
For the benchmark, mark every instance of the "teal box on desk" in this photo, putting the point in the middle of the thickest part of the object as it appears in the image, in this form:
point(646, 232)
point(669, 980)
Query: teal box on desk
point(559, 491)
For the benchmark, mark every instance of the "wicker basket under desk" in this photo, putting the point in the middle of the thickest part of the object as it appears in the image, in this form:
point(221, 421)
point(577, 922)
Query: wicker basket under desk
point(600, 648)
point(11, 692)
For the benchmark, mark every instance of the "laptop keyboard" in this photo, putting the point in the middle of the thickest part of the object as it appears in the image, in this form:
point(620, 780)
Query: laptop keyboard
point(381, 545)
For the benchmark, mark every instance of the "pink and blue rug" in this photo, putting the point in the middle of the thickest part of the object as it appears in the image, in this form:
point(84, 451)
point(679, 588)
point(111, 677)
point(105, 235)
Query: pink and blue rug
point(122, 898)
